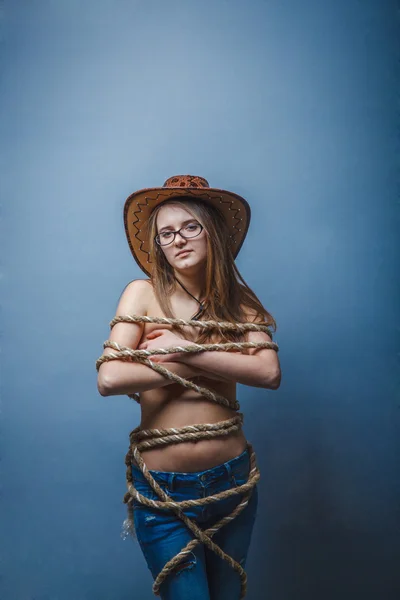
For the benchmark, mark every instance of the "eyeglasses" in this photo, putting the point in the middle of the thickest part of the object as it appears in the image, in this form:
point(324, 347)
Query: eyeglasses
point(188, 231)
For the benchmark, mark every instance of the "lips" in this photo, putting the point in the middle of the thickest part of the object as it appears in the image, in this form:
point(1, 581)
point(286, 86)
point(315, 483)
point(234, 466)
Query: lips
point(182, 252)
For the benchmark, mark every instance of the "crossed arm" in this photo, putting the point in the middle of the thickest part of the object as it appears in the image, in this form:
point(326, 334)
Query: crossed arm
point(258, 369)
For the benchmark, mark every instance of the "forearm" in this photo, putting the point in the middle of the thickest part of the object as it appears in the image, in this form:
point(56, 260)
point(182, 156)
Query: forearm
point(119, 377)
point(247, 369)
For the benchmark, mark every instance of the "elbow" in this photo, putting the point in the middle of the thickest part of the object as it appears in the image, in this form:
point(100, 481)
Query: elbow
point(112, 385)
point(274, 385)
point(104, 386)
point(103, 379)
point(268, 374)
point(273, 381)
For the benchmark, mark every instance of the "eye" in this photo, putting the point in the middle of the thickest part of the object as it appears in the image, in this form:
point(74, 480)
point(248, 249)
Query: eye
point(192, 227)
point(166, 235)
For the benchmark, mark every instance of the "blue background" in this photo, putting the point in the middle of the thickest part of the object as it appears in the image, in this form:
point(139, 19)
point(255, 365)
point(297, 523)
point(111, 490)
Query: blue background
point(290, 104)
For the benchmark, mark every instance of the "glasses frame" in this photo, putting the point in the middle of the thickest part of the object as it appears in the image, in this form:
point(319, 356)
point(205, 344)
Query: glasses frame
point(180, 233)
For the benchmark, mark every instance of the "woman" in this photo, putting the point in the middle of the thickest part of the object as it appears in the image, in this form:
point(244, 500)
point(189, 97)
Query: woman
point(186, 235)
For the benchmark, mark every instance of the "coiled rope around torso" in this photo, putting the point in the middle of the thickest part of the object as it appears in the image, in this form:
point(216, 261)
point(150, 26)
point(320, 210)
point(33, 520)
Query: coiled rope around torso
point(150, 438)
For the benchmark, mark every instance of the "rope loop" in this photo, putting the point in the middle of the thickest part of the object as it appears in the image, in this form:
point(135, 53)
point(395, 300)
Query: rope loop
point(152, 438)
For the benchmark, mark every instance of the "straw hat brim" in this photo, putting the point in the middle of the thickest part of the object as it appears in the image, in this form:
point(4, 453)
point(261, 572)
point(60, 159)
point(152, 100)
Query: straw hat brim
point(140, 204)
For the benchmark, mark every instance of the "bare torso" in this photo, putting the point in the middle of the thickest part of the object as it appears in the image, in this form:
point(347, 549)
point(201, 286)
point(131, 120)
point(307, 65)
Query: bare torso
point(176, 406)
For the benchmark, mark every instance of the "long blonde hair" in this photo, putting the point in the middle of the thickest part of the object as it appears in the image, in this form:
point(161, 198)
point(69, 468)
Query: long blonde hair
point(227, 295)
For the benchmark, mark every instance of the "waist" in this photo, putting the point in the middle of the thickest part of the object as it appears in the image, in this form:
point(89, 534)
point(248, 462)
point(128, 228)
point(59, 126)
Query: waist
point(174, 479)
point(204, 444)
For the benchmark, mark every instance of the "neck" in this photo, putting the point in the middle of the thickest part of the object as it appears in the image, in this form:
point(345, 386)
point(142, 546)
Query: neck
point(194, 285)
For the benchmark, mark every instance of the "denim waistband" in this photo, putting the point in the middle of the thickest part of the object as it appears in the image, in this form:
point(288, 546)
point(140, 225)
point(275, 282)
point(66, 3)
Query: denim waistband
point(207, 476)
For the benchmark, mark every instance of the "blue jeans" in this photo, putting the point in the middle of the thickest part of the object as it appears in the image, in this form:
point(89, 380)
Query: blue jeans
point(203, 575)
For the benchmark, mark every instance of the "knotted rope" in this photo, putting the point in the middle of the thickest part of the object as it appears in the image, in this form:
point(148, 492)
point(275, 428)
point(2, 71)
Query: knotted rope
point(150, 438)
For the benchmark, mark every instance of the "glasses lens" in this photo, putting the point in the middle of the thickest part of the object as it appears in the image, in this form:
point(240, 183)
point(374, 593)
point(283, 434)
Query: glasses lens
point(165, 238)
point(191, 230)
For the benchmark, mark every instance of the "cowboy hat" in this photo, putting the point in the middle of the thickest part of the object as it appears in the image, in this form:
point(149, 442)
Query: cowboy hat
point(140, 204)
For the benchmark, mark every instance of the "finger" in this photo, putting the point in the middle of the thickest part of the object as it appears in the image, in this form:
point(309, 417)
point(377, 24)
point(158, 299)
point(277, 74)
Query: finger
point(154, 358)
point(160, 358)
point(153, 334)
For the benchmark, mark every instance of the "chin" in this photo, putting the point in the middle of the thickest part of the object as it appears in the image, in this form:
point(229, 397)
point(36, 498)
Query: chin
point(193, 269)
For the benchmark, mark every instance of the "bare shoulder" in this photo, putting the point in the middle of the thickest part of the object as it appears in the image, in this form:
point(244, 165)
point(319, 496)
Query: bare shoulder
point(135, 297)
point(254, 336)
point(134, 300)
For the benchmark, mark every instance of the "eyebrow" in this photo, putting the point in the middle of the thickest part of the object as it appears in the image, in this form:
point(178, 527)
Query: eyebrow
point(183, 223)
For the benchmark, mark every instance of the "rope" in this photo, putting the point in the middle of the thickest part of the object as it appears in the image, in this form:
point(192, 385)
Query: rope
point(150, 438)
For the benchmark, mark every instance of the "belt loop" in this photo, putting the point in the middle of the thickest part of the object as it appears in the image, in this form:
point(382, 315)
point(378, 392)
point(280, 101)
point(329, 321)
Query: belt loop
point(228, 469)
point(171, 479)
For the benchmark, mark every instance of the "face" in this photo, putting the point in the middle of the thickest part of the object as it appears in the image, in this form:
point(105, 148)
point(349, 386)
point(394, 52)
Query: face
point(171, 218)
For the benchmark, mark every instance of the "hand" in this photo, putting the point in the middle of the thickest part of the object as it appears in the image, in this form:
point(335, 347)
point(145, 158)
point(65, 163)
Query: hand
point(164, 338)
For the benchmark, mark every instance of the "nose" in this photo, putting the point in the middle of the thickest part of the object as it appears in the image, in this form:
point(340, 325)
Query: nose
point(179, 239)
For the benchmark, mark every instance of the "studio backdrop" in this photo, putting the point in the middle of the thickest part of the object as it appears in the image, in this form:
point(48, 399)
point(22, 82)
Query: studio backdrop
point(289, 104)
